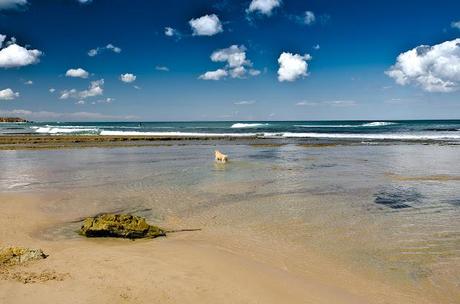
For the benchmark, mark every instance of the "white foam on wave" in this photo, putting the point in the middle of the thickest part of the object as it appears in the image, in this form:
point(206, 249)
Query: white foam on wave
point(378, 124)
point(52, 130)
point(248, 125)
point(390, 136)
point(327, 126)
point(178, 134)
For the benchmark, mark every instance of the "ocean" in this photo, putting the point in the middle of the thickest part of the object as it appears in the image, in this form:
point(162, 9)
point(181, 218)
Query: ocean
point(406, 130)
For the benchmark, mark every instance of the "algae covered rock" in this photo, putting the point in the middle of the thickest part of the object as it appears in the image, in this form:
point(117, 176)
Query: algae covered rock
point(119, 225)
point(18, 255)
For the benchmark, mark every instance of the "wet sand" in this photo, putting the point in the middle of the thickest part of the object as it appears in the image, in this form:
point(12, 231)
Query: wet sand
point(183, 268)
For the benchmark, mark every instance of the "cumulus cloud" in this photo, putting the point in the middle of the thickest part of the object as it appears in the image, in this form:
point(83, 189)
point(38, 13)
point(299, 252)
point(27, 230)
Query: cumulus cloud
point(52, 90)
point(214, 75)
point(264, 7)
point(455, 24)
point(235, 56)
point(434, 68)
point(99, 50)
point(207, 25)
point(78, 73)
point(14, 55)
point(29, 82)
point(96, 88)
point(128, 77)
point(316, 47)
point(309, 18)
point(12, 4)
point(236, 64)
point(8, 94)
point(292, 66)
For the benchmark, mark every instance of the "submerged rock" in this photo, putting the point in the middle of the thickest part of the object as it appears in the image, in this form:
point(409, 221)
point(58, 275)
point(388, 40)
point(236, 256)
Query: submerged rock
point(119, 225)
point(18, 255)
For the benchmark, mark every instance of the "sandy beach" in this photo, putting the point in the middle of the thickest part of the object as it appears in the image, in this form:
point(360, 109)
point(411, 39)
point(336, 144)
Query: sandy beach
point(262, 240)
point(185, 268)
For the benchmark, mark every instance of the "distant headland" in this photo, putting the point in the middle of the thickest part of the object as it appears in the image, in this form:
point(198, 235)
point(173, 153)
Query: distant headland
point(13, 119)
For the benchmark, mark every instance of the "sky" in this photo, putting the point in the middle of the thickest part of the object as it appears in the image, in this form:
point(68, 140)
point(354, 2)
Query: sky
point(109, 60)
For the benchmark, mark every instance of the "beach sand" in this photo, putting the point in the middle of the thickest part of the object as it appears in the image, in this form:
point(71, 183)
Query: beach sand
point(181, 268)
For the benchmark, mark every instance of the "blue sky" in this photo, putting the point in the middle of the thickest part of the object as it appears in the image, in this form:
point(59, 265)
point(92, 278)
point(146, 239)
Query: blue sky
point(340, 60)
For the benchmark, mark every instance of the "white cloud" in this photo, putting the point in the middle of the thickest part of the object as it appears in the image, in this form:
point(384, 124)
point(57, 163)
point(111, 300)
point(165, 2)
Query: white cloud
point(236, 63)
point(263, 6)
point(207, 25)
point(72, 116)
point(29, 82)
point(52, 90)
point(128, 77)
point(254, 72)
point(80, 102)
point(170, 32)
point(79, 73)
point(84, 1)
point(341, 103)
point(317, 47)
point(95, 89)
point(434, 68)
point(292, 66)
point(455, 24)
point(66, 94)
point(104, 101)
point(309, 18)
point(13, 55)
point(238, 72)
point(12, 4)
point(8, 94)
point(306, 103)
point(245, 102)
point(2, 39)
point(162, 68)
point(334, 103)
point(214, 75)
point(234, 55)
point(99, 50)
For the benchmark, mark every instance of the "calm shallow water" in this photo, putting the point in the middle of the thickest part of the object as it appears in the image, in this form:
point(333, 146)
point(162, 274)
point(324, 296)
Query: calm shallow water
point(352, 203)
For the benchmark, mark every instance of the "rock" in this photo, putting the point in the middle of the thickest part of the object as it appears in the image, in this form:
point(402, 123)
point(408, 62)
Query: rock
point(12, 119)
point(119, 225)
point(18, 255)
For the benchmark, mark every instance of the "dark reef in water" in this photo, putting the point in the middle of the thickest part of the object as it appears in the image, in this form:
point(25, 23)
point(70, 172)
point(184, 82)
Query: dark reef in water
point(398, 197)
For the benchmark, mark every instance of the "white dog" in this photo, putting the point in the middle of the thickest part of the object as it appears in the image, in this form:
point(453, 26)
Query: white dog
point(220, 157)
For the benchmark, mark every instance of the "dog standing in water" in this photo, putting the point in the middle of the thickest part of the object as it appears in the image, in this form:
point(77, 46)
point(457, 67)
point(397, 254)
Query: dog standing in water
point(220, 157)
